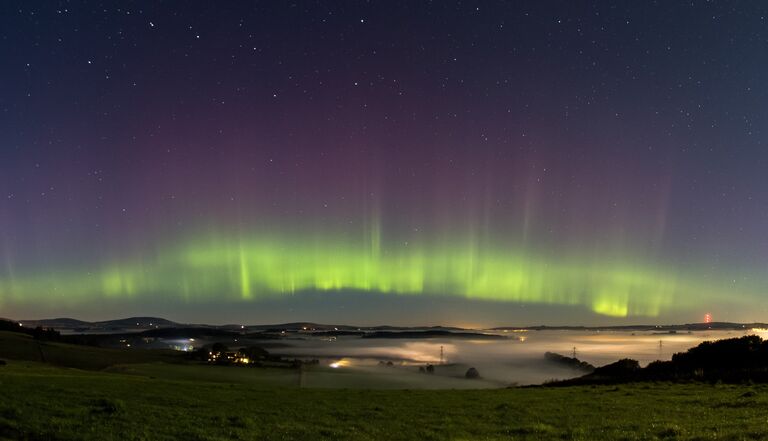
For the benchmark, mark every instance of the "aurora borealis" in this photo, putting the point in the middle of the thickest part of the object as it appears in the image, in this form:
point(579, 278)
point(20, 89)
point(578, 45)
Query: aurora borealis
point(254, 268)
point(384, 162)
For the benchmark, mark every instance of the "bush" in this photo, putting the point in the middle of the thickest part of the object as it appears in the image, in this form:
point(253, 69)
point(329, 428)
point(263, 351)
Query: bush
point(472, 373)
point(571, 362)
point(255, 353)
point(199, 354)
point(219, 347)
point(46, 334)
point(108, 406)
point(623, 368)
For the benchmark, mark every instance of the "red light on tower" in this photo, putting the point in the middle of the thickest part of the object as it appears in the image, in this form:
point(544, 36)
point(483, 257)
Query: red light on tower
point(707, 318)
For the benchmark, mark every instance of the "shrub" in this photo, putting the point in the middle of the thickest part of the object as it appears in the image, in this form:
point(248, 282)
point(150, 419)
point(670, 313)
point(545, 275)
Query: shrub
point(108, 406)
point(472, 373)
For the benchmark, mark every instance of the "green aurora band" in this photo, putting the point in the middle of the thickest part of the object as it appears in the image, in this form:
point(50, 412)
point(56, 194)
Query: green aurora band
point(271, 266)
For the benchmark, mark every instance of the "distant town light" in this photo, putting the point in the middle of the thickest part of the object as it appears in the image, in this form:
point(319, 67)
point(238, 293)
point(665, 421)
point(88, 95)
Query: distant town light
point(340, 363)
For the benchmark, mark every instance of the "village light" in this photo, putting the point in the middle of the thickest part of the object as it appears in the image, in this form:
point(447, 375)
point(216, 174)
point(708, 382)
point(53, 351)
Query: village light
point(340, 363)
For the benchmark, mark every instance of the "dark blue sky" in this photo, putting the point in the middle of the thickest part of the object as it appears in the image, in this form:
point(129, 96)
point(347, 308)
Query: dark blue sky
point(615, 153)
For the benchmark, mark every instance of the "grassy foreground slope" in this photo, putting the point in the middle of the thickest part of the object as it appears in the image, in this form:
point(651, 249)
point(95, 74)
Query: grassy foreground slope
point(38, 401)
point(18, 346)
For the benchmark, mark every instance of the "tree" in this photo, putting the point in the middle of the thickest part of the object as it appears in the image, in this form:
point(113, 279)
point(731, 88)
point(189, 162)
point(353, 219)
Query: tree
point(199, 354)
point(219, 347)
point(49, 334)
point(254, 353)
point(472, 373)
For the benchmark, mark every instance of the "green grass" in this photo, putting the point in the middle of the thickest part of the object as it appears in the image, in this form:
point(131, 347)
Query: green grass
point(110, 394)
point(23, 347)
point(39, 401)
point(173, 365)
point(262, 377)
point(311, 377)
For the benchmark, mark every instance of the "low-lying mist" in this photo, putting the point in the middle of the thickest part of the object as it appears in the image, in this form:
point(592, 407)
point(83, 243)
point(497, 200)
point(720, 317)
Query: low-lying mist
point(517, 359)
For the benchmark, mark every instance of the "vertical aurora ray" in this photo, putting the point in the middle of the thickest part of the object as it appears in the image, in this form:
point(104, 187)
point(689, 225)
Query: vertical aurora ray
point(245, 273)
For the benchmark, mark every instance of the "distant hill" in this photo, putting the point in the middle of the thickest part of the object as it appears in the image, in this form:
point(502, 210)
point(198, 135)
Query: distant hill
point(187, 332)
point(298, 326)
point(724, 326)
point(139, 322)
point(309, 326)
point(64, 323)
point(11, 326)
point(569, 362)
point(159, 322)
point(433, 334)
point(732, 360)
point(133, 324)
point(126, 323)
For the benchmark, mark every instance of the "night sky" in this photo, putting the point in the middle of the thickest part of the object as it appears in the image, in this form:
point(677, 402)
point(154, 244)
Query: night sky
point(402, 162)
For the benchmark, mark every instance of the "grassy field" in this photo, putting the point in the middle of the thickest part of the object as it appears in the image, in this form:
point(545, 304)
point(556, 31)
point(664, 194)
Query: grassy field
point(38, 401)
point(155, 363)
point(22, 347)
point(311, 377)
point(102, 394)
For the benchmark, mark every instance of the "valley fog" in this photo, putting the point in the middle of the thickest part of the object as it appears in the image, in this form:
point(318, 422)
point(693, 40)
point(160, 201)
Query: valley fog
point(517, 359)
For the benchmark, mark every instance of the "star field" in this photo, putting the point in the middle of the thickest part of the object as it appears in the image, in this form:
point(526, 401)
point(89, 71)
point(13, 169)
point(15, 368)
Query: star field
point(411, 162)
